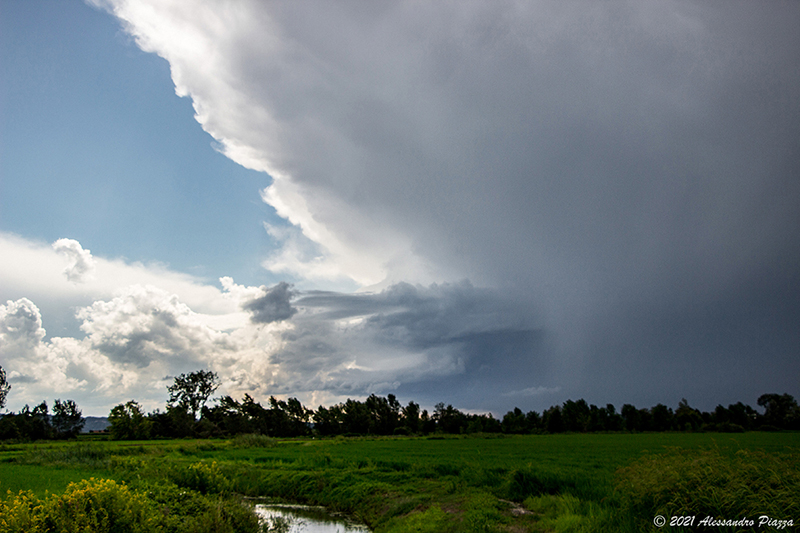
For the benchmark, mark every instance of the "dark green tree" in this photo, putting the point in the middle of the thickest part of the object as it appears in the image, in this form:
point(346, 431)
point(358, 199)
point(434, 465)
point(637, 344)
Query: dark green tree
point(662, 417)
point(780, 410)
point(575, 415)
point(355, 417)
point(687, 418)
point(328, 421)
point(449, 419)
point(36, 422)
point(384, 414)
point(533, 421)
point(67, 419)
point(742, 415)
point(515, 422)
point(191, 391)
point(552, 419)
point(630, 415)
point(128, 422)
point(411, 418)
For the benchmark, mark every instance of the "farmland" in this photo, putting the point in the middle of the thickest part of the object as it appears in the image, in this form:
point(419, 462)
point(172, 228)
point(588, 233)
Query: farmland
point(562, 482)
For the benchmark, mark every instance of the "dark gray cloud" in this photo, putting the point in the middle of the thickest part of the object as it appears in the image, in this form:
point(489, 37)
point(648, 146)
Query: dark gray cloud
point(412, 340)
point(272, 305)
point(630, 170)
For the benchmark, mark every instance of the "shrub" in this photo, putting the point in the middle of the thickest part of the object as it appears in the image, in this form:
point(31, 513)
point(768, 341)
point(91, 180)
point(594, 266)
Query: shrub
point(203, 477)
point(105, 506)
point(101, 505)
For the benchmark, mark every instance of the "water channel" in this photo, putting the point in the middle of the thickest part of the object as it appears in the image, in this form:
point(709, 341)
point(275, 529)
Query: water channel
point(285, 518)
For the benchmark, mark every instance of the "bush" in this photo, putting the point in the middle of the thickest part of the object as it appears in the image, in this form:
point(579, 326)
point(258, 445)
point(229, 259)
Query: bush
point(105, 506)
point(203, 477)
point(102, 506)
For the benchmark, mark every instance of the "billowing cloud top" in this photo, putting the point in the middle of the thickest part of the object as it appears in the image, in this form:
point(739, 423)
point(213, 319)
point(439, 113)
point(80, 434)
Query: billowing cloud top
point(571, 149)
point(81, 264)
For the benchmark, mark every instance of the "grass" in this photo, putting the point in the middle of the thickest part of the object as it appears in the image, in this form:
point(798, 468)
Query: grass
point(38, 479)
point(565, 482)
point(751, 483)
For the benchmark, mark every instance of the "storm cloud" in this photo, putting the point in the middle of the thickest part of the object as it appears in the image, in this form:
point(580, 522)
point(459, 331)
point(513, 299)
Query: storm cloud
point(272, 304)
point(409, 339)
point(627, 173)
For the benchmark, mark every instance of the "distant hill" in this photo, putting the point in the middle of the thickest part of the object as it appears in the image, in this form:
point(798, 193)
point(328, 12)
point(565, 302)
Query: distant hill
point(95, 423)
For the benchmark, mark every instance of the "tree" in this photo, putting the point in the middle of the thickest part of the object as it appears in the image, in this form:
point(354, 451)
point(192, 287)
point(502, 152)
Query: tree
point(515, 422)
point(36, 422)
point(575, 415)
point(411, 417)
point(742, 415)
point(780, 410)
point(328, 421)
point(553, 420)
point(128, 422)
point(687, 418)
point(355, 417)
point(67, 419)
point(662, 417)
point(191, 391)
point(449, 419)
point(631, 417)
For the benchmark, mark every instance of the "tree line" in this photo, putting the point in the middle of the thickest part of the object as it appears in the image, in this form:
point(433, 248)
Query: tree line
point(188, 415)
point(37, 423)
point(378, 415)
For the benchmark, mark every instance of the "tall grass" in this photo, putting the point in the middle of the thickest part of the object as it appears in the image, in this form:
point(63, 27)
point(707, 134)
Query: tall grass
point(750, 483)
point(253, 440)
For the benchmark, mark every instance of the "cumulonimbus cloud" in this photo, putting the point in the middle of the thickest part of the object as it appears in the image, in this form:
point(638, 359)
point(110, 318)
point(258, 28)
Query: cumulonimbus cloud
point(619, 167)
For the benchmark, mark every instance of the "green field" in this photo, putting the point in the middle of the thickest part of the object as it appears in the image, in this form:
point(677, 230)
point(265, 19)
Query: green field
point(563, 482)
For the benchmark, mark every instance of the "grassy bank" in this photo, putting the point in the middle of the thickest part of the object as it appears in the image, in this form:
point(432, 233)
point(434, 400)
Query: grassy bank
point(580, 482)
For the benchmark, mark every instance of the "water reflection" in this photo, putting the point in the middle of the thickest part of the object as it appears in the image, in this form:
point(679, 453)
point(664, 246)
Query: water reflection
point(301, 518)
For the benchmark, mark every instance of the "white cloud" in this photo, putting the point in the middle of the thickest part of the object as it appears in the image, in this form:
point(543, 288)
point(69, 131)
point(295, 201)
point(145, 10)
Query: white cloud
point(33, 366)
point(35, 270)
point(20, 325)
point(145, 325)
point(117, 333)
point(81, 263)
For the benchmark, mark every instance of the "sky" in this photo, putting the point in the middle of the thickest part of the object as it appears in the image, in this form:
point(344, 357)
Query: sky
point(486, 204)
